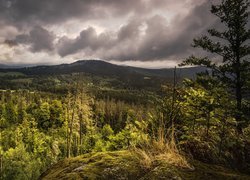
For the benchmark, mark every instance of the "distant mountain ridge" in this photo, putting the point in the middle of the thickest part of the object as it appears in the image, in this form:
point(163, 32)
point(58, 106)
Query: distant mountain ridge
point(103, 68)
point(4, 66)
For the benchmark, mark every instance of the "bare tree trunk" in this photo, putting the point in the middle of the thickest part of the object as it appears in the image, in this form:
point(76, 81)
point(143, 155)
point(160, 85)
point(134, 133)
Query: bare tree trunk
point(80, 133)
point(173, 101)
point(238, 98)
point(208, 123)
point(71, 130)
point(193, 125)
point(1, 158)
point(68, 153)
point(237, 47)
point(1, 166)
point(222, 134)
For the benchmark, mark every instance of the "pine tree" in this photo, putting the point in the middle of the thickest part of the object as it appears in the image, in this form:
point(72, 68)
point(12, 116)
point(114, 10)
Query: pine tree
point(233, 47)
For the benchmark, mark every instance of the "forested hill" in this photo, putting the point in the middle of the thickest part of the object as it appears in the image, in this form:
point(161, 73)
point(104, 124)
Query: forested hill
point(4, 66)
point(102, 68)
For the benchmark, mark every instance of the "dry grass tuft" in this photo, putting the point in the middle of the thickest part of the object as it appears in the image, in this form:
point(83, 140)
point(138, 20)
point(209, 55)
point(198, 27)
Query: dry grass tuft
point(161, 149)
point(146, 158)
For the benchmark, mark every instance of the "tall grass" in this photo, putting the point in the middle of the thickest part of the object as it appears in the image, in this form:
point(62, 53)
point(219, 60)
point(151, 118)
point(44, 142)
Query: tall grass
point(161, 149)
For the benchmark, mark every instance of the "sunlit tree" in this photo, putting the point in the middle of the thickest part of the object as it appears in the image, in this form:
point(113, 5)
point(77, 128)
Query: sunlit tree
point(231, 45)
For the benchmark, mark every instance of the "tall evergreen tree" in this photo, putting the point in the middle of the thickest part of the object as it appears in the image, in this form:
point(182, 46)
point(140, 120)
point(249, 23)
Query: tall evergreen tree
point(233, 47)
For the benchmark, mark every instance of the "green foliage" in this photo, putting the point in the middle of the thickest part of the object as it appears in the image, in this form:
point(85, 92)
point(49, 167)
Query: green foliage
point(19, 164)
point(26, 149)
point(209, 127)
point(106, 132)
point(38, 129)
point(42, 115)
point(56, 114)
point(233, 48)
point(213, 119)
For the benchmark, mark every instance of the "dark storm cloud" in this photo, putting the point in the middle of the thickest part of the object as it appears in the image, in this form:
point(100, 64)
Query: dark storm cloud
point(39, 39)
point(87, 39)
point(139, 29)
point(27, 12)
point(144, 39)
point(179, 41)
point(130, 31)
point(162, 42)
point(90, 40)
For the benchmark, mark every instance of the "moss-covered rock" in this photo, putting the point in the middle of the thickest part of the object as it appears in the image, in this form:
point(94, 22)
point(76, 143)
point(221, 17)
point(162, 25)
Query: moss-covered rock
point(127, 165)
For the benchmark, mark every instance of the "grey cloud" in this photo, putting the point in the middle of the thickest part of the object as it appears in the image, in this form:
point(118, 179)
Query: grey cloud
point(68, 46)
point(87, 39)
point(193, 25)
point(162, 42)
point(145, 36)
point(143, 39)
point(130, 31)
point(39, 39)
point(27, 12)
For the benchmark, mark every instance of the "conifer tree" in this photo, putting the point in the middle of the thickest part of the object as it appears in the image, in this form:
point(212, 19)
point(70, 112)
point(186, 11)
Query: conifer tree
point(232, 46)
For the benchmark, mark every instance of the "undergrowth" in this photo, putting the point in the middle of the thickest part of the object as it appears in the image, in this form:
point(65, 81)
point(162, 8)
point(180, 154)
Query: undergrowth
point(161, 149)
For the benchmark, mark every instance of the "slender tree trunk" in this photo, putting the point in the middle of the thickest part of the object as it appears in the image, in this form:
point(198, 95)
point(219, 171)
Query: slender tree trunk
point(193, 124)
point(1, 166)
point(80, 133)
point(172, 117)
point(76, 145)
point(238, 98)
point(71, 125)
point(71, 131)
point(67, 131)
point(238, 74)
point(222, 135)
point(208, 123)
point(1, 157)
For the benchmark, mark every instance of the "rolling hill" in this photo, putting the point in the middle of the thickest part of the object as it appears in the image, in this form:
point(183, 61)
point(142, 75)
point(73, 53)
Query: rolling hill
point(102, 68)
point(100, 74)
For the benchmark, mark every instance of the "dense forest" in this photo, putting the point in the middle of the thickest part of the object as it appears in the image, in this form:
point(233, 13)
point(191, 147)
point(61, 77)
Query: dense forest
point(47, 117)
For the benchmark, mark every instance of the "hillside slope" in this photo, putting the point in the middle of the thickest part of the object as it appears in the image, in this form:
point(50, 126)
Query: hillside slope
point(127, 165)
point(102, 68)
point(96, 72)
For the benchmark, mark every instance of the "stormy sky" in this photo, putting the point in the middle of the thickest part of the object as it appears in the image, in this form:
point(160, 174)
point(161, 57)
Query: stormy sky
point(151, 33)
